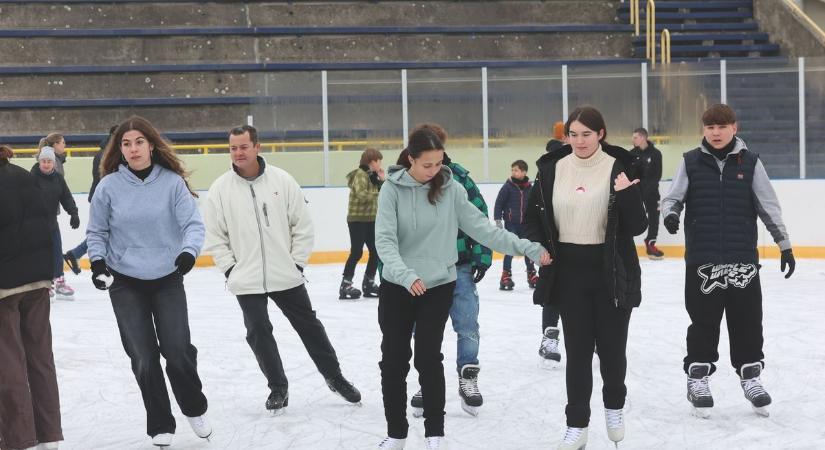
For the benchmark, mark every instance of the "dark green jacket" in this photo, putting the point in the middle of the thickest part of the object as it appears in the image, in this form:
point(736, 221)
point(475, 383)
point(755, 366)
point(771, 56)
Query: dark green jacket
point(470, 251)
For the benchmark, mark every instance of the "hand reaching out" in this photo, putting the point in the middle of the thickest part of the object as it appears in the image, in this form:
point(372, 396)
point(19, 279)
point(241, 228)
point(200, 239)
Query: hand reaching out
point(622, 182)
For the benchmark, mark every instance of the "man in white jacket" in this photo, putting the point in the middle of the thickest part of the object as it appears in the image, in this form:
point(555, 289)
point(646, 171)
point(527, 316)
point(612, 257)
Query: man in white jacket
point(259, 232)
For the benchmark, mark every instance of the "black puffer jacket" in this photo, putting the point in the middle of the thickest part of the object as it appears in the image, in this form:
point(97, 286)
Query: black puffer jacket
point(25, 236)
point(55, 193)
point(625, 218)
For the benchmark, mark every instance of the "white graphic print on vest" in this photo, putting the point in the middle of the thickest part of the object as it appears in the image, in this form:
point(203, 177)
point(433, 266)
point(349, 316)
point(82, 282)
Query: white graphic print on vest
point(722, 275)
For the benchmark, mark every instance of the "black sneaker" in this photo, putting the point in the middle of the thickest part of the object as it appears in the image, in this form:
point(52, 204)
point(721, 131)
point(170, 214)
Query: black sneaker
point(72, 262)
point(277, 401)
point(344, 388)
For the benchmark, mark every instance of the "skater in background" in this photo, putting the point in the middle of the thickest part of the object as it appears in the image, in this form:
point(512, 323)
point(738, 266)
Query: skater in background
point(58, 144)
point(511, 203)
point(549, 355)
point(145, 231)
point(29, 399)
point(585, 208)
point(364, 184)
point(559, 138)
point(723, 187)
point(649, 161)
point(473, 261)
point(420, 210)
point(76, 253)
point(55, 194)
point(260, 233)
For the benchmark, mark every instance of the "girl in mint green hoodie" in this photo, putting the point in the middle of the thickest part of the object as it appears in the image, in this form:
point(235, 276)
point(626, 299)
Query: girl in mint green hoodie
point(420, 210)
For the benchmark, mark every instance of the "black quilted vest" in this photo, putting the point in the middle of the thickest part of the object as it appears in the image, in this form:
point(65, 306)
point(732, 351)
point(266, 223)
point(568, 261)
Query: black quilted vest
point(720, 214)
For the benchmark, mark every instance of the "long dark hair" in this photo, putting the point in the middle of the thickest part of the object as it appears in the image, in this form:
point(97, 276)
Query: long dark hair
point(589, 117)
point(423, 140)
point(163, 154)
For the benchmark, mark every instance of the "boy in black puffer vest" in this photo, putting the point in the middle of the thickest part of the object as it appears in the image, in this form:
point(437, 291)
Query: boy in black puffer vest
point(723, 187)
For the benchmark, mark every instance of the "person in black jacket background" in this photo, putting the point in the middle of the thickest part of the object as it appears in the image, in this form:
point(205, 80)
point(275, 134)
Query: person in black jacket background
point(30, 412)
point(76, 253)
point(649, 165)
point(585, 210)
point(55, 194)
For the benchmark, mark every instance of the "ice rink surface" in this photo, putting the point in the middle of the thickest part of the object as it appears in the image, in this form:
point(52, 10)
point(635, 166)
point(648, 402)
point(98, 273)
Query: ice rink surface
point(523, 404)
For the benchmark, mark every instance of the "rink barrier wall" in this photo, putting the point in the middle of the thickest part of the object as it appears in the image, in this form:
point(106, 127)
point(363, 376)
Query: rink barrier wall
point(800, 200)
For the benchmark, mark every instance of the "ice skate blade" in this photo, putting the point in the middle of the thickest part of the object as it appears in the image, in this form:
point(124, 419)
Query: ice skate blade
point(548, 364)
point(505, 289)
point(761, 411)
point(65, 298)
point(417, 412)
point(348, 298)
point(702, 413)
point(655, 258)
point(471, 410)
point(277, 412)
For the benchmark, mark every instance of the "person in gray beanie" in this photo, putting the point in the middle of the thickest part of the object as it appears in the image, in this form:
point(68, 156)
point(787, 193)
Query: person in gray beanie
point(55, 193)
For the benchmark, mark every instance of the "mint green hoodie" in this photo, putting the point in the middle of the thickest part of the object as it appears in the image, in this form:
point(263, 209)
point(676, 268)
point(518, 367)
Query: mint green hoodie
point(416, 239)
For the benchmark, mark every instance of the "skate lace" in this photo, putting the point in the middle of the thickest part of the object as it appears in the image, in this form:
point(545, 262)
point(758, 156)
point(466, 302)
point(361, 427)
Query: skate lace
point(699, 387)
point(550, 345)
point(434, 442)
point(572, 434)
point(753, 387)
point(389, 443)
point(615, 418)
point(469, 386)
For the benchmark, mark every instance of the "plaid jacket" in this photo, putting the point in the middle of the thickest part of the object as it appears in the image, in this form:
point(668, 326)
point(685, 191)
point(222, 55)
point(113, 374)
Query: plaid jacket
point(468, 249)
point(363, 197)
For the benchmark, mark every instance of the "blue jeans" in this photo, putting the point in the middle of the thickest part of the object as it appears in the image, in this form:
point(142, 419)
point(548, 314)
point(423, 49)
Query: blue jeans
point(464, 315)
point(57, 253)
point(80, 250)
point(518, 230)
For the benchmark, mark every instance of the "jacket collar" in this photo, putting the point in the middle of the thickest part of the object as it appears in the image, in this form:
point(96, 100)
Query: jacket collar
point(261, 168)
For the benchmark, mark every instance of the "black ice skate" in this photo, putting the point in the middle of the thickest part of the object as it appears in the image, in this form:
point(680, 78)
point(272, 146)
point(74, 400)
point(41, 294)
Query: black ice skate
point(549, 356)
point(369, 288)
point(506, 283)
point(753, 389)
point(276, 402)
point(347, 292)
point(471, 399)
point(417, 404)
point(344, 388)
point(698, 389)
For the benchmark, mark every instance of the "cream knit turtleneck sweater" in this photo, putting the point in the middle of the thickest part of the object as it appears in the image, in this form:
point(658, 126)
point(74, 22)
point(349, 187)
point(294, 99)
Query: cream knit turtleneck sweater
point(580, 195)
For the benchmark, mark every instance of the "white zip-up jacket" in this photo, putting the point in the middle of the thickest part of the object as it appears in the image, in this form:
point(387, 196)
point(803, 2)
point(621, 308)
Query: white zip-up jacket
point(261, 229)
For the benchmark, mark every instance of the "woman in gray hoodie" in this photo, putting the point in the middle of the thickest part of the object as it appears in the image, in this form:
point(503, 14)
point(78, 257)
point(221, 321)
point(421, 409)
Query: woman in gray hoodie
point(146, 231)
point(420, 209)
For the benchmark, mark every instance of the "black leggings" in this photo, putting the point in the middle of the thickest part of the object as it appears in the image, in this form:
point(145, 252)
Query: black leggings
point(361, 233)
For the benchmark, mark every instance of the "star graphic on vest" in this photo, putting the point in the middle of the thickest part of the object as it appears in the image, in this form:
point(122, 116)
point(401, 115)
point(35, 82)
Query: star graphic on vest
point(580, 190)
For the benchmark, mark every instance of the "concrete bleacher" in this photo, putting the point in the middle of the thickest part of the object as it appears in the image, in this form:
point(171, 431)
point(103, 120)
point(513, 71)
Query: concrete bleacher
point(199, 67)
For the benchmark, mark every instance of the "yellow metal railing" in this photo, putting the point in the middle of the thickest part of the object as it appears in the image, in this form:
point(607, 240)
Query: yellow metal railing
point(650, 45)
point(634, 14)
point(272, 147)
point(665, 47)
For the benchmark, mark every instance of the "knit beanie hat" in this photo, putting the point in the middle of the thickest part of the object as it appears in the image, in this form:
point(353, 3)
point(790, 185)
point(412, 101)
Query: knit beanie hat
point(46, 153)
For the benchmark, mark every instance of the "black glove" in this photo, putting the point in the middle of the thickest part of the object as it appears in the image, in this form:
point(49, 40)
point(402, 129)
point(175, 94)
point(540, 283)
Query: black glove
point(788, 261)
point(74, 222)
point(228, 271)
point(300, 269)
point(672, 223)
point(478, 273)
point(184, 262)
point(99, 268)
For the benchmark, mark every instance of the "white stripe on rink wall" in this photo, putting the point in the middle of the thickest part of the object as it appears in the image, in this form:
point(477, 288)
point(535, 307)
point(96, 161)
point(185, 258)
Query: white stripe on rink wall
point(329, 213)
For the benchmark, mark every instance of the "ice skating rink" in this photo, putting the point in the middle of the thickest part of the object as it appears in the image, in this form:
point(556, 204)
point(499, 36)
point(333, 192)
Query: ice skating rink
point(523, 404)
